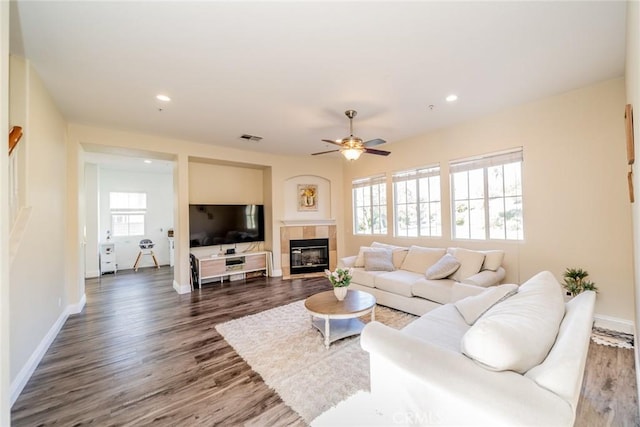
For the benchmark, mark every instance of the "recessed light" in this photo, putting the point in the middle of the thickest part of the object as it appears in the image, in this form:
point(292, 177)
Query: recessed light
point(147, 161)
point(451, 98)
point(163, 98)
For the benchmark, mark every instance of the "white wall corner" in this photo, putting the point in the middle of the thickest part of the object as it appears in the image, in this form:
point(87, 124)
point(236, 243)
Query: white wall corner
point(92, 274)
point(181, 289)
point(276, 273)
point(17, 385)
point(614, 324)
point(77, 308)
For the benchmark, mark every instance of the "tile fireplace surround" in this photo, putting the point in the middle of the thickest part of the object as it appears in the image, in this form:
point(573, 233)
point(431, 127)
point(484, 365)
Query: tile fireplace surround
point(295, 232)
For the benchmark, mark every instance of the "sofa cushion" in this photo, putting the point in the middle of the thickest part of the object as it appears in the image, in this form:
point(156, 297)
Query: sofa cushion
point(397, 282)
point(471, 308)
point(419, 259)
point(434, 290)
point(360, 259)
point(470, 263)
point(492, 260)
point(364, 278)
point(445, 266)
point(518, 333)
point(443, 327)
point(399, 253)
point(378, 261)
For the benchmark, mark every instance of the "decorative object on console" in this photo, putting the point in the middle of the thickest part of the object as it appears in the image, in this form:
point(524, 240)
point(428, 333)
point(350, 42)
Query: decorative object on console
point(307, 197)
point(575, 281)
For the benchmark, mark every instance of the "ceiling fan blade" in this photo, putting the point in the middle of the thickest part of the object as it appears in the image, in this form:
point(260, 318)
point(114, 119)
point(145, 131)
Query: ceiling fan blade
point(374, 142)
point(325, 152)
point(378, 152)
point(332, 142)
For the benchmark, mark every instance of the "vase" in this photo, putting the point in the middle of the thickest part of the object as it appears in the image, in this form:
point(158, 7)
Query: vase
point(340, 293)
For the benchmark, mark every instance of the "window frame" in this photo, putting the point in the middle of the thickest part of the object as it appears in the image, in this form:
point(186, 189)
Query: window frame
point(483, 164)
point(418, 175)
point(379, 227)
point(128, 210)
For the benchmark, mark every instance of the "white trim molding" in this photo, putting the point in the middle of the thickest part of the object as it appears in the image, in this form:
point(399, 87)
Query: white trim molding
point(181, 289)
point(296, 222)
point(614, 323)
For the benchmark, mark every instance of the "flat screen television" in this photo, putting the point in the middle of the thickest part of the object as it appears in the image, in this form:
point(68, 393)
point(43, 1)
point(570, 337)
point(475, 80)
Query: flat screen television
point(211, 225)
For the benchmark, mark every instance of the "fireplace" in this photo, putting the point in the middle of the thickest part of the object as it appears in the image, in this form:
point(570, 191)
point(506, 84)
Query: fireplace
point(308, 255)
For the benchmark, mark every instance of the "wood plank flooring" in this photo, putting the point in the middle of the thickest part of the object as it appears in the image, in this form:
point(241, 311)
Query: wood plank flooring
point(141, 354)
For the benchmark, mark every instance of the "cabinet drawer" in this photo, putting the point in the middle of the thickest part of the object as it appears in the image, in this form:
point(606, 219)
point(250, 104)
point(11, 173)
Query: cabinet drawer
point(253, 262)
point(212, 267)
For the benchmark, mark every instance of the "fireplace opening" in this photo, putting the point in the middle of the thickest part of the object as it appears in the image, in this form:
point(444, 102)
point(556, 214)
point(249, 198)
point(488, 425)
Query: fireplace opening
point(308, 255)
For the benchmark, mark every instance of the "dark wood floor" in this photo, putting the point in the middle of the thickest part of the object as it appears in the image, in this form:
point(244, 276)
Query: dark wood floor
point(141, 354)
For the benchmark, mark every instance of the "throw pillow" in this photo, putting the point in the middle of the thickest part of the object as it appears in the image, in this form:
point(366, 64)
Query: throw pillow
point(445, 266)
point(419, 259)
point(471, 308)
point(470, 263)
point(492, 260)
point(360, 259)
point(378, 261)
point(399, 253)
point(518, 333)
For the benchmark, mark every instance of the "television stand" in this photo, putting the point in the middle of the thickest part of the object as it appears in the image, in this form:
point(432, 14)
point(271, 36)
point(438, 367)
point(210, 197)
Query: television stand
point(211, 265)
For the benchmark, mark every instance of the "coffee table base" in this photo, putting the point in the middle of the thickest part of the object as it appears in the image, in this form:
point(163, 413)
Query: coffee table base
point(336, 329)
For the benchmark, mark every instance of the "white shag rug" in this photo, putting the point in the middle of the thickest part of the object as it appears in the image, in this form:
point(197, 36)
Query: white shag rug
point(289, 354)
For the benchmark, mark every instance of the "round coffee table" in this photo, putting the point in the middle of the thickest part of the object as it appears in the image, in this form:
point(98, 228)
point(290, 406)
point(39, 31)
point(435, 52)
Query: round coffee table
point(339, 319)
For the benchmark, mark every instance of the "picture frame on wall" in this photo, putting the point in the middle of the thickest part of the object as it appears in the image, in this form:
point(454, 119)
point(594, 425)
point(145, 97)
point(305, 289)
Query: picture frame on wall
point(628, 120)
point(307, 197)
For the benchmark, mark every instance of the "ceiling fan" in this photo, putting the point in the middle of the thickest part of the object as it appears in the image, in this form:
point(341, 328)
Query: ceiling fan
point(352, 147)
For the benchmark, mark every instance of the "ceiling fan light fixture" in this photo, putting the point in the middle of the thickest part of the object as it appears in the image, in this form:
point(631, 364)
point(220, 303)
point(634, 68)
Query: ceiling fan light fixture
point(352, 153)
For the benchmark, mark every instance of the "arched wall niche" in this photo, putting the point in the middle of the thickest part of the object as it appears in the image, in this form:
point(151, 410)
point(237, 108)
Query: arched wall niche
point(299, 207)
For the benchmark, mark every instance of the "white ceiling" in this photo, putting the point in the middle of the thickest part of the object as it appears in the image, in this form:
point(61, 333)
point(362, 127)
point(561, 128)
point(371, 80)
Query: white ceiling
point(287, 71)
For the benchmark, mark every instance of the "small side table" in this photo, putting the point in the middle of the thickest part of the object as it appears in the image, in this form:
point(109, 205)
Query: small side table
point(339, 319)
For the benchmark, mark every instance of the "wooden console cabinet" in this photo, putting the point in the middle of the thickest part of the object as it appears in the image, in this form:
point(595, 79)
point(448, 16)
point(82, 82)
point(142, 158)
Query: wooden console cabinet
point(210, 265)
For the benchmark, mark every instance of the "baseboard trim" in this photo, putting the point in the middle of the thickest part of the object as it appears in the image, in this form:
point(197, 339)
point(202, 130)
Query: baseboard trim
point(614, 323)
point(276, 273)
point(77, 308)
point(29, 368)
point(91, 274)
point(181, 289)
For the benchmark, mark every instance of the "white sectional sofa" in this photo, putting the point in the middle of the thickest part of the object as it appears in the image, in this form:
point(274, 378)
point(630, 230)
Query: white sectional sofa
point(518, 362)
point(418, 279)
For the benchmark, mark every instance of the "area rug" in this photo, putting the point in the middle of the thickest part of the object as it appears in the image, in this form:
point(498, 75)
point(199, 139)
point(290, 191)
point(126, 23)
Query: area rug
point(611, 338)
point(289, 354)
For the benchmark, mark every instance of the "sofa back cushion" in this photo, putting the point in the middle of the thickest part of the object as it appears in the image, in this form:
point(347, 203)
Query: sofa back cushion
point(471, 308)
point(419, 259)
point(398, 253)
point(470, 263)
point(492, 260)
point(517, 333)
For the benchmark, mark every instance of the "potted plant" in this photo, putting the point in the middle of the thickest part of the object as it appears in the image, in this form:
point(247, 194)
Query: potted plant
point(575, 281)
point(340, 279)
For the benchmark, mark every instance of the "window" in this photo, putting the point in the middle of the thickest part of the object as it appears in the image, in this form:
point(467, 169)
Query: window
point(127, 213)
point(416, 202)
point(370, 205)
point(487, 196)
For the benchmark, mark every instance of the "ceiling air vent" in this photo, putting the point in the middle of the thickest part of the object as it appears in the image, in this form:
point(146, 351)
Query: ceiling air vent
point(253, 138)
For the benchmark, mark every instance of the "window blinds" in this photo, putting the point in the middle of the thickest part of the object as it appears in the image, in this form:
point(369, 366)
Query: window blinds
point(410, 175)
point(367, 182)
point(496, 159)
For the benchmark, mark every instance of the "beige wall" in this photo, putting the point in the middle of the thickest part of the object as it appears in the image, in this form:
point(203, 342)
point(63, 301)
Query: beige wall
point(38, 272)
point(576, 211)
point(222, 184)
point(632, 81)
point(5, 398)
